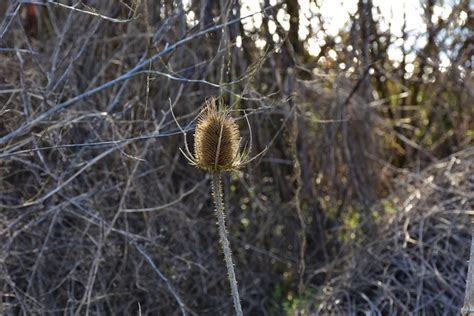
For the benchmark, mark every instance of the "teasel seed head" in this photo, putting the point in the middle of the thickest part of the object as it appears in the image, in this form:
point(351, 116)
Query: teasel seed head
point(216, 139)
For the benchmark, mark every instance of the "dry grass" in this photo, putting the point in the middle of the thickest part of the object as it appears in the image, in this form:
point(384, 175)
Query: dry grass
point(417, 262)
point(101, 214)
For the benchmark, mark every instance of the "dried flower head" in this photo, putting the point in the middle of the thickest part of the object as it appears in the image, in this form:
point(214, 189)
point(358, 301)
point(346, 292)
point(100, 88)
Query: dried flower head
point(216, 139)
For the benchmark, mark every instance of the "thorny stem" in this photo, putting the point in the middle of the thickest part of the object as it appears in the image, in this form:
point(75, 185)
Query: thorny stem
point(218, 201)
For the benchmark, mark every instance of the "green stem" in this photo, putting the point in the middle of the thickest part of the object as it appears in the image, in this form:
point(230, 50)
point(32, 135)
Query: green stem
point(218, 201)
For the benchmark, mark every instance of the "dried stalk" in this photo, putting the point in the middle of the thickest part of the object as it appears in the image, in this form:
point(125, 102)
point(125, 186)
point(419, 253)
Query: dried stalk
point(218, 201)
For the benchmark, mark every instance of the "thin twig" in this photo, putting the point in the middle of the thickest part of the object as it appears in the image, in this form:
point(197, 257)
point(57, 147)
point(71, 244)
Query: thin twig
point(110, 83)
point(468, 307)
point(162, 276)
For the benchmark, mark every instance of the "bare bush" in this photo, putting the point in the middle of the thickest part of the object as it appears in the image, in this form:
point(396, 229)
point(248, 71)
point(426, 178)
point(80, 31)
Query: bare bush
point(100, 214)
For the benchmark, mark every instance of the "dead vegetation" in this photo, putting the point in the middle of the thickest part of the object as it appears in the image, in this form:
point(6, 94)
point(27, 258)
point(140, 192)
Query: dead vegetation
point(417, 263)
point(360, 204)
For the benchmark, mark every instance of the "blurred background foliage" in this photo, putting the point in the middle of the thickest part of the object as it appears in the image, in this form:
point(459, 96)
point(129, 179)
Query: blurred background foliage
point(364, 106)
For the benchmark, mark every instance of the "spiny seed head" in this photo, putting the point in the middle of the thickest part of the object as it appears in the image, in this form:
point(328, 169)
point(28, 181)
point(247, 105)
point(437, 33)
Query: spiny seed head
point(216, 139)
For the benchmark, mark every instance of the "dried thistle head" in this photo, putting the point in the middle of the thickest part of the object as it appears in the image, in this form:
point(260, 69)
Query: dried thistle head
point(216, 139)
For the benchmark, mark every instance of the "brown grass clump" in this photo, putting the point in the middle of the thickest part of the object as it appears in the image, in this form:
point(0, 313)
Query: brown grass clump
point(216, 140)
point(415, 263)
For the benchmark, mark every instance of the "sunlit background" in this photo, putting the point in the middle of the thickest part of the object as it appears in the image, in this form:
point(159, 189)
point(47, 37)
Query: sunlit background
point(403, 19)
